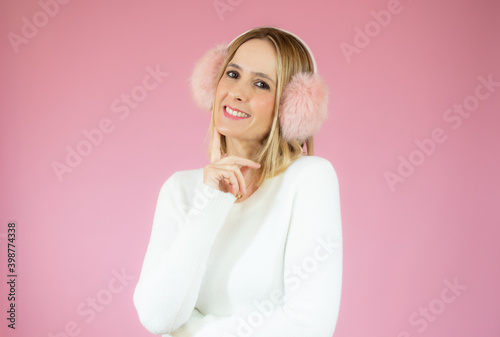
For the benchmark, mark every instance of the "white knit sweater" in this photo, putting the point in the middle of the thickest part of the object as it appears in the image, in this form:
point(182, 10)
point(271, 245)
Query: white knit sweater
point(269, 266)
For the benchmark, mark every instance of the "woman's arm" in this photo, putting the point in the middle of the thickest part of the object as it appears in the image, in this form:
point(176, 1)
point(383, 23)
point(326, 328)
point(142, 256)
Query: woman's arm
point(308, 305)
point(175, 261)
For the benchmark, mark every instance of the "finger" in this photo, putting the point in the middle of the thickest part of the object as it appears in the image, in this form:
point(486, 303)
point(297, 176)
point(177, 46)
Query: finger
point(240, 166)
point(240, 172)
point(240, 161)
point(241, 181)
point(232, 186)
point(215, 148)
point(229, 179)
point(228, 170)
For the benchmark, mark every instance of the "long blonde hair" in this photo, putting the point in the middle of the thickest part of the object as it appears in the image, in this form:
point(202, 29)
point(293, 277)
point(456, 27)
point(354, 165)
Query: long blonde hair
point(292, 57)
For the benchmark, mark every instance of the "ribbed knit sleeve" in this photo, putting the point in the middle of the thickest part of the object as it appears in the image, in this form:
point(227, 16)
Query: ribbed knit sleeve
point(175, 261)
point(308, 303)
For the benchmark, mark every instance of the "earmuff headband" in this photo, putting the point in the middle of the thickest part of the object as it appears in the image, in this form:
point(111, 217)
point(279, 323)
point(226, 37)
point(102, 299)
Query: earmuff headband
point(315, 67)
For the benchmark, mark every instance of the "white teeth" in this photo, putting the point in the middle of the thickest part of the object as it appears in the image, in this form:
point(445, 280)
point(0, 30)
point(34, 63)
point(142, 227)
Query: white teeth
point(236, 113)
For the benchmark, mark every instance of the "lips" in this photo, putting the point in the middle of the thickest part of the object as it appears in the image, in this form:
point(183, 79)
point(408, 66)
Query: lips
point(234, 113)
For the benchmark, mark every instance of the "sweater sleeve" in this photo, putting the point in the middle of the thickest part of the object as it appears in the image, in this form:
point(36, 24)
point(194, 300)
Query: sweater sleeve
point(176, 257)
point(309, 302)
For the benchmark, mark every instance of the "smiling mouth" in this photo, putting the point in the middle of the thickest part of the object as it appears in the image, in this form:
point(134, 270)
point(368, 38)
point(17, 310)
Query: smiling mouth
point(235, 113)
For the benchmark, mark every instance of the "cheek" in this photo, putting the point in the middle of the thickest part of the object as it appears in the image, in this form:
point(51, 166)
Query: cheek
point(266, 105)
point(220, 91)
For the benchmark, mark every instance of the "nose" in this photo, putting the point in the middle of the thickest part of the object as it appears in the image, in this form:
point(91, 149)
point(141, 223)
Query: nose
point(239, 91)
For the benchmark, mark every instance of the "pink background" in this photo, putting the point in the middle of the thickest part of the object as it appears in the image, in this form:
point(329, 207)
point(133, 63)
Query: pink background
point(402, 245)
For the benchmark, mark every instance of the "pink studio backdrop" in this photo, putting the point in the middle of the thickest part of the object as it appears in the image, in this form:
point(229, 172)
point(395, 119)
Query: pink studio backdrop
point(413, 135)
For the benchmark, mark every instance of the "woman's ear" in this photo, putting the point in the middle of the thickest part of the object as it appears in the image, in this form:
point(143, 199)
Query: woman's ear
point(204, 77)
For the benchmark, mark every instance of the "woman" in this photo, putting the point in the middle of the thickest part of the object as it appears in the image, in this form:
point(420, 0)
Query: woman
point(250, 245)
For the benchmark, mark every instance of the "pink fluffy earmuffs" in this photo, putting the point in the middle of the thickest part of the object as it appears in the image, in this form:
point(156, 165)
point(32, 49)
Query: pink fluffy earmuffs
point(303, 107)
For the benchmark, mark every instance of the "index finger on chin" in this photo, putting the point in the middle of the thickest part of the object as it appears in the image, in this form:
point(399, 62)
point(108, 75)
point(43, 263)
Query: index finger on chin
point(215, 148)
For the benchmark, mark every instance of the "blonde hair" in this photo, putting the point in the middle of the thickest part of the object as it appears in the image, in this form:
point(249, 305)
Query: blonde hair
point(292, 57)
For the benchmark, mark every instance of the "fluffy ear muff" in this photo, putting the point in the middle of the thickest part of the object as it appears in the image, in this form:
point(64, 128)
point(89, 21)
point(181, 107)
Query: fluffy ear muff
point(204, 77)
point(303, 107)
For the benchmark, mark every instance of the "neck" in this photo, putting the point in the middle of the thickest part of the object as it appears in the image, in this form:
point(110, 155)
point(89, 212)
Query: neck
point(242, 148)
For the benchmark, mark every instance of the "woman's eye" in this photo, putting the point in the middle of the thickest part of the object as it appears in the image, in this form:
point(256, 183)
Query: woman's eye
point(262, 84)
point(232, 74)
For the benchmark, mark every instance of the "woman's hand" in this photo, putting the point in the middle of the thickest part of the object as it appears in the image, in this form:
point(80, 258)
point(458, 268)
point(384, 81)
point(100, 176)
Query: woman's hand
point(226, 174)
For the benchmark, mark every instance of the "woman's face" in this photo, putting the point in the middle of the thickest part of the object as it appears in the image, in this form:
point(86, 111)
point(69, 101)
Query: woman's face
point(248, 87)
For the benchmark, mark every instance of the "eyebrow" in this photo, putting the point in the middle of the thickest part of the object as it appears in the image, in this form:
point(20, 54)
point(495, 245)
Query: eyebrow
point(234, 65)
